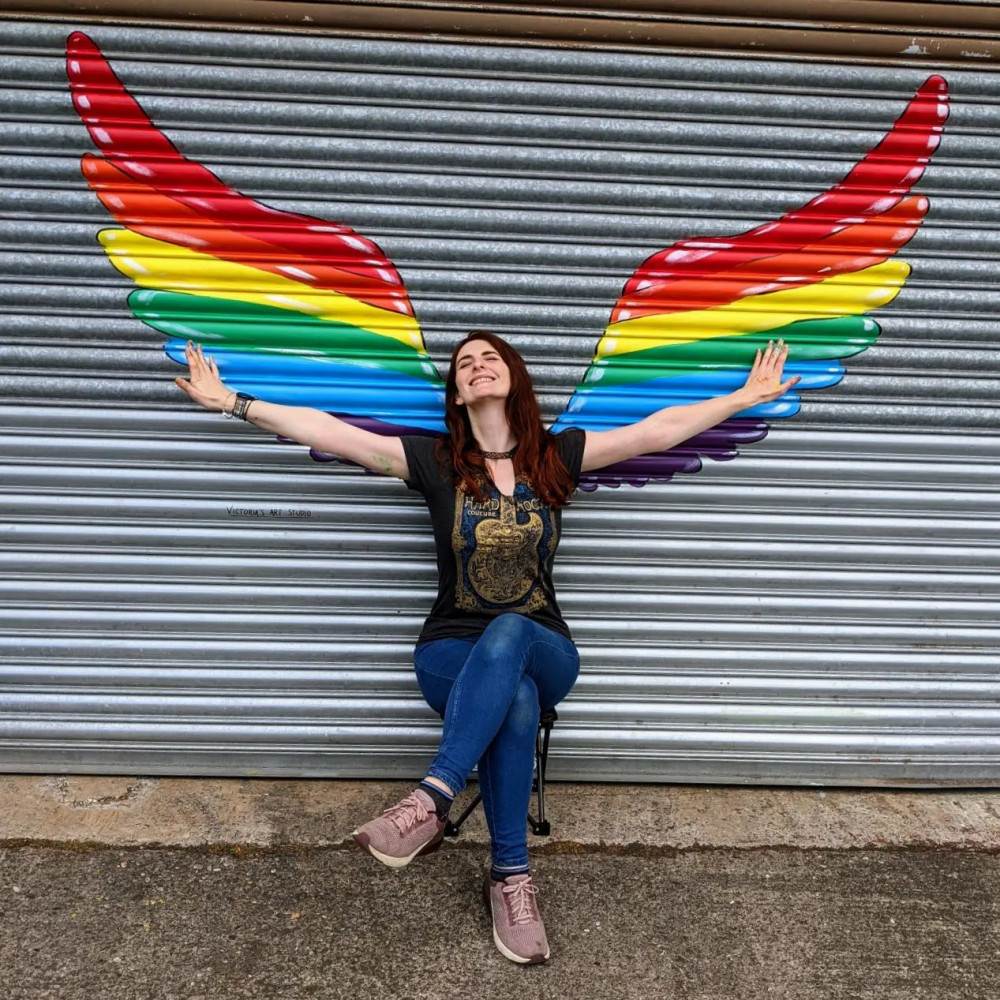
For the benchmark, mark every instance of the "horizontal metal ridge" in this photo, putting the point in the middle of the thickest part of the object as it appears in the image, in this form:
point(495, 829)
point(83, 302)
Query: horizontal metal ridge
point(624, 667)
point(298, 608)
point(752, 523)
point(856, 721)
point(250, 96)
point(660, 567)
point(962, 624)
point(574, 737)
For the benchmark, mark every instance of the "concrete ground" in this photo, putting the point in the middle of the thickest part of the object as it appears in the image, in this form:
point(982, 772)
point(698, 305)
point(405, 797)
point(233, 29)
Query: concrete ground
point(647, 892)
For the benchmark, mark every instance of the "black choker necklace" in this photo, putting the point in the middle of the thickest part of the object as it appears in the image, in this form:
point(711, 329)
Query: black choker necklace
point(498, 454)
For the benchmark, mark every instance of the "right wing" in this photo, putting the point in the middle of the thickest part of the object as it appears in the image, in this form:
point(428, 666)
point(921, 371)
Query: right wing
point(691, 318)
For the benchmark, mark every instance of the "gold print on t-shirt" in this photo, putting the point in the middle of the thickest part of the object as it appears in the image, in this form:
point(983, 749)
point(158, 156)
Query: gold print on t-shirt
point(502, 567)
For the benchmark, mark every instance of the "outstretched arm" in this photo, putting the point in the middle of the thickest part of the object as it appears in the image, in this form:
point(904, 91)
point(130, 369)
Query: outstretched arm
point(304, 424)
point(670, 426)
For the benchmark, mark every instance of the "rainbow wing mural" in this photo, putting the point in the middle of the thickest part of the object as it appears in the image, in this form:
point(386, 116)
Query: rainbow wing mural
point(297, 310)
point(690, 319)
point(309, 313)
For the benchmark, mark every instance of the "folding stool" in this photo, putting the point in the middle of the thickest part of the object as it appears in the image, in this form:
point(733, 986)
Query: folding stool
point(539, 827)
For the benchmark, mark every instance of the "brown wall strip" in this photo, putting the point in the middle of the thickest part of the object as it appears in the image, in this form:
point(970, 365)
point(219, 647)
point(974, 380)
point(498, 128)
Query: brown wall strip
point(938, 34)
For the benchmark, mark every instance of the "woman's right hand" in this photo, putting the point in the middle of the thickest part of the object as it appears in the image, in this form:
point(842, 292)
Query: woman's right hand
point(205, 387)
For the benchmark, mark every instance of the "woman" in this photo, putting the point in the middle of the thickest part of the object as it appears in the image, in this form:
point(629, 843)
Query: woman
point(494, 651)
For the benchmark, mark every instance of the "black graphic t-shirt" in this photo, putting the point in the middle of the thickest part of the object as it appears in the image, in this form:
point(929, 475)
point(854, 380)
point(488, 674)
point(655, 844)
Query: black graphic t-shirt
point(492, 556)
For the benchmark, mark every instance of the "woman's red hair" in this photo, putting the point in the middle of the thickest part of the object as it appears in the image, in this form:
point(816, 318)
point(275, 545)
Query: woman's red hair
point(536, 458)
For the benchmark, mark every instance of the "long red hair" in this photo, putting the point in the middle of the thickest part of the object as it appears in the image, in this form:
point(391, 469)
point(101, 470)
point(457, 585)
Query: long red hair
point(536, 458)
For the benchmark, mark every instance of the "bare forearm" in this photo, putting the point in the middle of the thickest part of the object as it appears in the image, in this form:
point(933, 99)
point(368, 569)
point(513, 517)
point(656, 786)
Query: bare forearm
point(674, 424)
point(324, 432)
point(303, 424)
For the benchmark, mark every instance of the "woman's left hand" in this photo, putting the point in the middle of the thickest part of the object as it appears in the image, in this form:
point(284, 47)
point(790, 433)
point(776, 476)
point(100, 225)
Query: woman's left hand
point(764, 383)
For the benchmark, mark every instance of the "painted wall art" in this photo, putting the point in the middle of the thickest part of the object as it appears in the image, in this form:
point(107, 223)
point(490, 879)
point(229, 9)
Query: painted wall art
point(307, 312)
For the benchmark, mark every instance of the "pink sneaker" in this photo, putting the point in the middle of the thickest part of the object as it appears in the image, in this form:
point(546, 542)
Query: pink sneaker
point(403, 831)
point(518, 930)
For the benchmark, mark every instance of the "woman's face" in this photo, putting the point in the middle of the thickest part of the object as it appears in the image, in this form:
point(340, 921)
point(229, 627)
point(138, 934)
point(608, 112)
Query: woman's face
point(480, 373)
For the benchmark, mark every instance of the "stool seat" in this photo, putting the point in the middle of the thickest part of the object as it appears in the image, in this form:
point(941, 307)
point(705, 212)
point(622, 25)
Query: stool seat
point(540, 827)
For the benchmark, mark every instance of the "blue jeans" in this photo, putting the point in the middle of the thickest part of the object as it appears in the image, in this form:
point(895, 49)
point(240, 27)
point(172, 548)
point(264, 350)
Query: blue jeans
point(490, 692)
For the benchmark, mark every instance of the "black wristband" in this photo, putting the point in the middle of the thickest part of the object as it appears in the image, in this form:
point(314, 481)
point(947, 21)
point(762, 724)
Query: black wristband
point(243, 400)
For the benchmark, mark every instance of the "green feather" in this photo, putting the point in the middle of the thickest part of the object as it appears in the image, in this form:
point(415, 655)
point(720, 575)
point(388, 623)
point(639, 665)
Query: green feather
point(808, 340)
point(242, 326)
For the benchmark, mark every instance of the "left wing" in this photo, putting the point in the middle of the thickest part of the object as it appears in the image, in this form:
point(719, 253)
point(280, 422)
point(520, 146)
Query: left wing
point(297, 310)
point(689, 321)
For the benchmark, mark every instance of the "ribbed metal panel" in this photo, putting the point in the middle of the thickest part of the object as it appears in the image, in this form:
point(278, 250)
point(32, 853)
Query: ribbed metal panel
point(938, 33)
point(822, 609)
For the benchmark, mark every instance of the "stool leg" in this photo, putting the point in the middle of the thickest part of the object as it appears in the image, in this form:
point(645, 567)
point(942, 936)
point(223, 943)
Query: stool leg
point(541, 826)
point(451, 828)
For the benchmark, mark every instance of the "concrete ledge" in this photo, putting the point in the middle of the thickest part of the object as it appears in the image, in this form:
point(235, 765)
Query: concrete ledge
point(187, 812)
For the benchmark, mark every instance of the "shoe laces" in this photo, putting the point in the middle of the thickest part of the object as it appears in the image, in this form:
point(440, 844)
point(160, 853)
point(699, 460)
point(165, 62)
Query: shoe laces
point(407, 812)
point(520, 898)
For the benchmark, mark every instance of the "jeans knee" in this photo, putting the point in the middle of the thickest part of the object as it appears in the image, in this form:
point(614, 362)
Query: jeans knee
point(506, 631)
point(523, 714)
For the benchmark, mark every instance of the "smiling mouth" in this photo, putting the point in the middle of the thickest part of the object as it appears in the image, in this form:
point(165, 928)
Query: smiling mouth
point(482, 378)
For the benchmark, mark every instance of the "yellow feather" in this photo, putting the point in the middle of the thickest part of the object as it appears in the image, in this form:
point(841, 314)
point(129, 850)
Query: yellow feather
point(841, 295)
point(154, 264)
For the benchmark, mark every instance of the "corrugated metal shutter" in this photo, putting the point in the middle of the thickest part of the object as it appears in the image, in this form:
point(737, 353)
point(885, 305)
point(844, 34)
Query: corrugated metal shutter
point(822, 609)
point(903, 32)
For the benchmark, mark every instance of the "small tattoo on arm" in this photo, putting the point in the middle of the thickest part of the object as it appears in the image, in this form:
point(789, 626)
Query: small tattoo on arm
point(384, 465)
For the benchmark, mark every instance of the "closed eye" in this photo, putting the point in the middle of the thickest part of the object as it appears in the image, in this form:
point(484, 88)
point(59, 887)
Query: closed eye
point(466, 361)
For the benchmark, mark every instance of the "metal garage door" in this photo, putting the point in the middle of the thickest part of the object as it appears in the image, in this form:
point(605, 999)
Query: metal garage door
point(822, 608)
